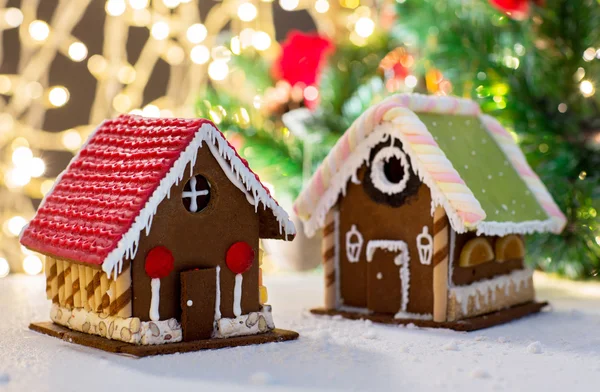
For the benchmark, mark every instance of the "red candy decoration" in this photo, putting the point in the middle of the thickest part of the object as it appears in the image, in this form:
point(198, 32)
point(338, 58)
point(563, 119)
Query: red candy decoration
point(159, 262)
point(239, 257)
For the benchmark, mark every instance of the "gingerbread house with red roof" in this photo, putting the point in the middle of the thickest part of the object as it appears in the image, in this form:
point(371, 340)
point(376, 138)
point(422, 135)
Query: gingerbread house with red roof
point(151, 236)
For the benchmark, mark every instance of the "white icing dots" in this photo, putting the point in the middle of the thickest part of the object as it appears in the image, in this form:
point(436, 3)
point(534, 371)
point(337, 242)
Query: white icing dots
point(379, 276)
point(497, 212)
point(504, 207)
point(483, 190)
point(514, 201)
point(500, 174)
point(489, 177)
point(453, 138)
point(466, 166)
point(513, 212)
point(434, 124)
point(189, 302)
point(473, 152)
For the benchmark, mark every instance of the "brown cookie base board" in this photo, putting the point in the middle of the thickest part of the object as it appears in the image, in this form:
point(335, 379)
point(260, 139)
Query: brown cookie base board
point(114, 346)
point(467, 325)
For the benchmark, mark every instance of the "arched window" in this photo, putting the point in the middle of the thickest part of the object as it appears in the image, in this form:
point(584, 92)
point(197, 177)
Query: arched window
point(476, 251)
point(510, 247)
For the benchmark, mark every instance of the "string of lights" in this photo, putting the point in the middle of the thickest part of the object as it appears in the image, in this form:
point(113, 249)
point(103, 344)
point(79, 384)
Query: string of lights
point(197, 49)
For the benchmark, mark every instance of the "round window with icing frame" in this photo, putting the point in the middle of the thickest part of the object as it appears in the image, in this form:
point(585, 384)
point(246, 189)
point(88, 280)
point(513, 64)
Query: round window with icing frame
point(196, 194)
point(389, 178)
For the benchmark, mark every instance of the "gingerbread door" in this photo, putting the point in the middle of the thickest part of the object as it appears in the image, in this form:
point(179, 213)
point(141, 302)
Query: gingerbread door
point(198, 297)
point(387, 276)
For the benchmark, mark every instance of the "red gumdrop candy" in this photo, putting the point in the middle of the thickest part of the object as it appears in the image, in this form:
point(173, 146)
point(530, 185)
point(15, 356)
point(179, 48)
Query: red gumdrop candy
point(239, 257)
point(159, 262)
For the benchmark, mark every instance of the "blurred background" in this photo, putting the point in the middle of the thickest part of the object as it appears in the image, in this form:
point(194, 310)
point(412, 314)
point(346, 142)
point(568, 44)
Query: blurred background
point(285, 78)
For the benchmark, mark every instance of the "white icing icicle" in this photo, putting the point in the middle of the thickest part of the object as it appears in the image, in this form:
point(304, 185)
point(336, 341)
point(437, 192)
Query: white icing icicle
point(155, 301)
point(237, 295)
point(218, 297)
point(487, 288)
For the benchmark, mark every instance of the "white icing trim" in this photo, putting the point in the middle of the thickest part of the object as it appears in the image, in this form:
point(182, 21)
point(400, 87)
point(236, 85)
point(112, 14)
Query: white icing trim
point(505, 228)
point(425, 250)
point(378, 177)
point(487, 288)
point(413, 316)
point(237, 295)
point(339, 181)
point(255, 193)
point(218, 295)
point(402, 260)
point(155, 300)
point(354, 309)
point(353, 248)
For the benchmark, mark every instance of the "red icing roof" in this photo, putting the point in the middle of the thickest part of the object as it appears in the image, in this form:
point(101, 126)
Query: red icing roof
point(96, 200)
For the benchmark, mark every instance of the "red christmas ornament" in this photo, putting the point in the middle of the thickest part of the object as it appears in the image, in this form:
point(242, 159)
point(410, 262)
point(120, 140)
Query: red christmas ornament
point(239, 257)
point(159, 262)
point(302, 58)
point(516, 9)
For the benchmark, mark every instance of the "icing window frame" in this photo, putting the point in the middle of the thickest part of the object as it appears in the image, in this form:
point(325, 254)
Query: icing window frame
point(379, 170)
point(196, 200)
point(376, 182)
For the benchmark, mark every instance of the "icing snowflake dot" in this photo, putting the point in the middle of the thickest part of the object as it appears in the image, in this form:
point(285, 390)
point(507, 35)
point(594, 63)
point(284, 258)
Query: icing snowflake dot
point(483, 191)
point(504, 207)
point(473, 152)
point(497, 212)
point(468, 122)
point(453, 137)
point(450, 123)
point(514, 202)
point(434, 124)
point(483, 141)
point(513, 212)
point(466, 166)
point(379, 275)
point(500, 174)
point(189, 302)
point(489, 176)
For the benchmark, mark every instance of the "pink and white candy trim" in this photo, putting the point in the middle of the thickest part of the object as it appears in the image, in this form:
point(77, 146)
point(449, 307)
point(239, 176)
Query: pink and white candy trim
point(396, 117)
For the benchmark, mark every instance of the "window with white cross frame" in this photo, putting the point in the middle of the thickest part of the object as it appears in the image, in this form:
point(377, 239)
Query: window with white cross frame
point(196, 194)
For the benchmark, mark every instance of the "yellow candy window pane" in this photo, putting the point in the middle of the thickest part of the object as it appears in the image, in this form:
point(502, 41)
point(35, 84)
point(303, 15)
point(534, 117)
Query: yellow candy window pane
point(476, 251)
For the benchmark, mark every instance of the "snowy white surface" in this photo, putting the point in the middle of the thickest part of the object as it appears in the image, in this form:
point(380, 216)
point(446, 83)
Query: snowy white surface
point(557, 350)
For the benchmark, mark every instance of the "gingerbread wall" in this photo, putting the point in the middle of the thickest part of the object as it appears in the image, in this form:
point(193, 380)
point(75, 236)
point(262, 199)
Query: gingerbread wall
point(199, 240)
point(466, 275)
point(381, 221)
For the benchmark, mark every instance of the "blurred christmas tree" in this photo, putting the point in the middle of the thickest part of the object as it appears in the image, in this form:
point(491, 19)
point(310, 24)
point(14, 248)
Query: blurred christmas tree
point(534, 65)
point(284, 115)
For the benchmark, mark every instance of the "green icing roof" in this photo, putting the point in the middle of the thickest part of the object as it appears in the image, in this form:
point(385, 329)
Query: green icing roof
point(484, 167)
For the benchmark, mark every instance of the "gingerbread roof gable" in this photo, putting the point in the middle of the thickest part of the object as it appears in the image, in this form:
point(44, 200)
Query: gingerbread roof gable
point(111, 190)
point(470, 163)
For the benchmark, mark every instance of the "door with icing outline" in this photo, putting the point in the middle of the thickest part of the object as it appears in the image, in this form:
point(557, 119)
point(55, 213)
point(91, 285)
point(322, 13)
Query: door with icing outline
point(198, 298)
point(387, 274)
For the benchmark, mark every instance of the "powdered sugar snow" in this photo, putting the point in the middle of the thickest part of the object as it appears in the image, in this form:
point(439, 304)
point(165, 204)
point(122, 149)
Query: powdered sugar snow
point(331, 353)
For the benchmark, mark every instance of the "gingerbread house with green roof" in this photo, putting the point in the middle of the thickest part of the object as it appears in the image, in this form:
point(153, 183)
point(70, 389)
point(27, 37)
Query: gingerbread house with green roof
point(424, 204)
